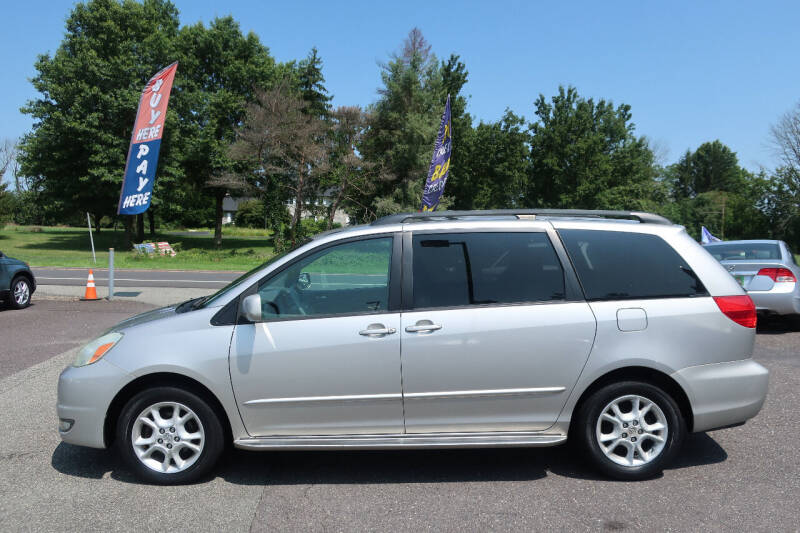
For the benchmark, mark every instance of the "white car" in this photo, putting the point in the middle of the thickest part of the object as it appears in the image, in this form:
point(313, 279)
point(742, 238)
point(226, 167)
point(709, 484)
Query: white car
point(766, 269)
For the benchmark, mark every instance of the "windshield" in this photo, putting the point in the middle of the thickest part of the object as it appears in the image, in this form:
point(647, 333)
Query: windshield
point(744, 251)
point(209, 300)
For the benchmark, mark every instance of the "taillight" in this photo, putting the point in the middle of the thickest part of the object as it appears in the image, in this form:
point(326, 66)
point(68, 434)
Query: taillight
point(740, 309)
point(778, 274)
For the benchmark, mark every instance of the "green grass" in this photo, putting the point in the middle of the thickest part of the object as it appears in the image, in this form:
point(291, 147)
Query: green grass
point(70, 247)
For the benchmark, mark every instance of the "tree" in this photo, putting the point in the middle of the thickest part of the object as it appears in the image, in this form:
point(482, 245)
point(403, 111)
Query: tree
point(9, 164)
point(712, 167)
point(6, 202)
point(88, 95)
point(785, 138)
point(220, 69)
point(493, 165)
point(280, 142)
point(781, 204)
point(708, 188)
point(783, 197)
point(311, 84)
point(405, 120)
point(585, 154)
point(349, 176)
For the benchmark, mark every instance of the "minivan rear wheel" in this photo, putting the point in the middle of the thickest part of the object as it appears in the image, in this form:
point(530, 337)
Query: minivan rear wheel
point(169, 435)
point(631, 430)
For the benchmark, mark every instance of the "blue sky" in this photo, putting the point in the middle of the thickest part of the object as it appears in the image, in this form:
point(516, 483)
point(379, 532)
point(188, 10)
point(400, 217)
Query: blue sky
point(691, 71)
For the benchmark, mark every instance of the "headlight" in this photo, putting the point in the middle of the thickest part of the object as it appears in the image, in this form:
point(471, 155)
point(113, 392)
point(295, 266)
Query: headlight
point(96, 349)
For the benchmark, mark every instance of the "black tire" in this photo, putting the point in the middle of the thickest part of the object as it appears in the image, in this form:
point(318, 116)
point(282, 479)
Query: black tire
point(209, 425)
point(587, 428)
point(15, 284)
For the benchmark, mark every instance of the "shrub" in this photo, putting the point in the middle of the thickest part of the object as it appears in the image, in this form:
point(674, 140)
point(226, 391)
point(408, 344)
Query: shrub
point(250, 214)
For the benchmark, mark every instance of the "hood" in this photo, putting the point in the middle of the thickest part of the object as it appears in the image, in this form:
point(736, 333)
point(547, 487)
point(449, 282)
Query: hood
point(15, 261)
point(143, 318)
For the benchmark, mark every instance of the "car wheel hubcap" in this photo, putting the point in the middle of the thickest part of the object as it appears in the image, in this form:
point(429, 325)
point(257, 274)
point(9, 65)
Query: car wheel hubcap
point(168, 437)
point(21, 293)
point(632, 430)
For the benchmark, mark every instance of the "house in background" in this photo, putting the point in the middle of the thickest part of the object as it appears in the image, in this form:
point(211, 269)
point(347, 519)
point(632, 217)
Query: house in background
point(339, 217)
point(230, 205)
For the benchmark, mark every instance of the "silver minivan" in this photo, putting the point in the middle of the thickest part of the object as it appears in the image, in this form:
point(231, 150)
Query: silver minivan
point(443, 329)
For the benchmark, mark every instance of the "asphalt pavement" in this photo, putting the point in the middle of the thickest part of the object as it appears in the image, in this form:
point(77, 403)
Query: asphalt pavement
point(738, 479)
point(206, 279)
point(48, 328)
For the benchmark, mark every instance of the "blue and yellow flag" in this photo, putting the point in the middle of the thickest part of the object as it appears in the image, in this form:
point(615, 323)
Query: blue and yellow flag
point(440, 163)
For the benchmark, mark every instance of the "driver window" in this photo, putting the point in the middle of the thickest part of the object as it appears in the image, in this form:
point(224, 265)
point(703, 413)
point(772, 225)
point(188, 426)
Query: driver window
point(345, 279)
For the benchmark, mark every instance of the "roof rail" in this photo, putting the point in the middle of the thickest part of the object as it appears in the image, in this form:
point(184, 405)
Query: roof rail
point(644, 218)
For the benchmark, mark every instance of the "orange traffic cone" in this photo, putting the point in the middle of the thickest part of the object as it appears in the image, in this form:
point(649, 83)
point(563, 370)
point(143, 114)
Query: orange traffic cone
point(91, 292)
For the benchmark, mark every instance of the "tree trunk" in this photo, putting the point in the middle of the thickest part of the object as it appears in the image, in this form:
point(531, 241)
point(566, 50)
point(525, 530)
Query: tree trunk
point(218, 219)
point(128, 220)
point(151, 219)
point(298, 204)
point(96, 222)
point(335, 205)
point(139, 227)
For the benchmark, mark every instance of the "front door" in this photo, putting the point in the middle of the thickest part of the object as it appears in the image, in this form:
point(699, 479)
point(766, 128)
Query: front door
point(325, 359)
point(492, 342)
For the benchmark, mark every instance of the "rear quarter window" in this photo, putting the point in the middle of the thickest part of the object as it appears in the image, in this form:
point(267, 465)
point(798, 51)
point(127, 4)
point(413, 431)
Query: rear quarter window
point(616, 265)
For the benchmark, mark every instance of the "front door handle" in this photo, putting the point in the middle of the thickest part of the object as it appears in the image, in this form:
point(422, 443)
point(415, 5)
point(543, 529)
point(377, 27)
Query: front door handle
point(423, 325)
point(376, 330)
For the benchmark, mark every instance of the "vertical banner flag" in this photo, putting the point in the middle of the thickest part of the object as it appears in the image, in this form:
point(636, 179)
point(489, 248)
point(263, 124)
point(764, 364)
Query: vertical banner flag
point(440, 163)
point(706, 237)
point(140, 168)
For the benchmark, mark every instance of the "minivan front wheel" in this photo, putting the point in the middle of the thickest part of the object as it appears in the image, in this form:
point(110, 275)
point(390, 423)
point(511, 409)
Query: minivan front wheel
point(631, 429)
point(169, 435)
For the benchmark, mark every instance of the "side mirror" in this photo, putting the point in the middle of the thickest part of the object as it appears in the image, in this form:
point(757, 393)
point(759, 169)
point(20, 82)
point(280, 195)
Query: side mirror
point(251, 308)
point(303, 280)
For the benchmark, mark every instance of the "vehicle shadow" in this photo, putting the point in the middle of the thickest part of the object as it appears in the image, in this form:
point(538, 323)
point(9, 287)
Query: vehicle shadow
point(377, 467)
point(777, 325)
point(6, 306)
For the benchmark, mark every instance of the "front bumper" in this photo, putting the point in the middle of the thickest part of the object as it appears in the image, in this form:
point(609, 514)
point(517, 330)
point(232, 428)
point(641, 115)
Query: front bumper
point(724, 394)
point(84, 395)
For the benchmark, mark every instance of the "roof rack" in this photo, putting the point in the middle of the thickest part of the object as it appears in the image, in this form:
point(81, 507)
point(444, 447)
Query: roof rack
point(644, 218)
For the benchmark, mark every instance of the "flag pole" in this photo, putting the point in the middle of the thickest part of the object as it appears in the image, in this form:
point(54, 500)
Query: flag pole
point(91, 240)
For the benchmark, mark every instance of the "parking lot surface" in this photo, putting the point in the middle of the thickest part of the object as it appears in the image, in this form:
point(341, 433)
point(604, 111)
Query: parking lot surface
point(48, 328)
point(743, 478)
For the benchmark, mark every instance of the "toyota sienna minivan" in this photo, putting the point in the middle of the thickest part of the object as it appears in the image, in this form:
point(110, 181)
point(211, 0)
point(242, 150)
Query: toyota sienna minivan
point(434, 330)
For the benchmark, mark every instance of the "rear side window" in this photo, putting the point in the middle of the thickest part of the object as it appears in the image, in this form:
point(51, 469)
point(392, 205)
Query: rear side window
point(614, 265)
point(461, 269)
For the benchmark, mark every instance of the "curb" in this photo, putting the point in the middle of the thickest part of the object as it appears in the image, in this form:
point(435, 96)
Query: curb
point(159, 296)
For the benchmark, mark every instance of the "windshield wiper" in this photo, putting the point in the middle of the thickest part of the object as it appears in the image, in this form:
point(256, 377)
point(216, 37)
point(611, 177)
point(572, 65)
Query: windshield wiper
point(197, 302)
point(190, 304)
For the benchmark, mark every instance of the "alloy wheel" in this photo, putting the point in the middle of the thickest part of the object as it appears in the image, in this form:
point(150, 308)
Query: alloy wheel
point(168, 437)
point(21, 292)
point(632, 430)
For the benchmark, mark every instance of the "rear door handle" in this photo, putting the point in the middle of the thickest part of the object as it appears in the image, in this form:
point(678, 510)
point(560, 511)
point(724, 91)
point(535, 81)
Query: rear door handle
point(377, 329)
point(423, 327)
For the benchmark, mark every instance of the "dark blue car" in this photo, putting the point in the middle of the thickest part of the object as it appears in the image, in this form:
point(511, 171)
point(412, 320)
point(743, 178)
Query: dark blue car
point(17, 283)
